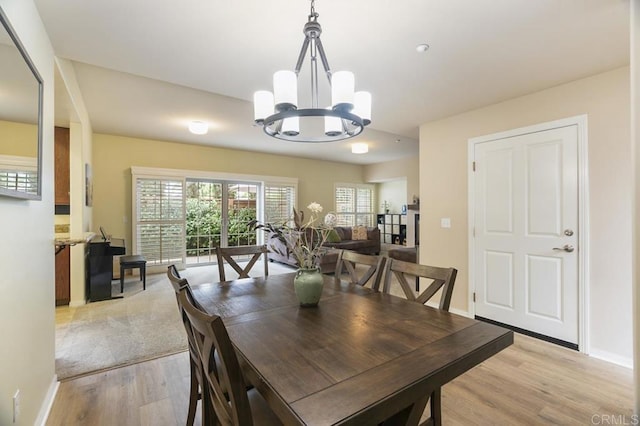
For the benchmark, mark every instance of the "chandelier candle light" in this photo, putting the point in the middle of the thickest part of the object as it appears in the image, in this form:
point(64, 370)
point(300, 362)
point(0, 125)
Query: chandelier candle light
point(279, 114)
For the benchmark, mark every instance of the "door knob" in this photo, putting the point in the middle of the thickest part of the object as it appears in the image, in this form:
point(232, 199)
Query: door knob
point(567, 247)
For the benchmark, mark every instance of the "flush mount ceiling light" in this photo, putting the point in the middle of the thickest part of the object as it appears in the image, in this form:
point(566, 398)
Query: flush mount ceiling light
point(359, 148)
point(280, 116)
point(198, 127)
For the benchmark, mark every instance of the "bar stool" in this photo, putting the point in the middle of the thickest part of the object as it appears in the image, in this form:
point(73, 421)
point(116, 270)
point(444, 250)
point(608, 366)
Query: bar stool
point(132, 262)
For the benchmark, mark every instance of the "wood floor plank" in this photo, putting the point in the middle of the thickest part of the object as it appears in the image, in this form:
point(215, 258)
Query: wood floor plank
point(529, 383)
point(158, 413)
point(535, 382)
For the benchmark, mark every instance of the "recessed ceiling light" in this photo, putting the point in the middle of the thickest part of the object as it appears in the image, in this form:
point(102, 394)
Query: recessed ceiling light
point(421, 48)
point(359, 148)
point(198, 127)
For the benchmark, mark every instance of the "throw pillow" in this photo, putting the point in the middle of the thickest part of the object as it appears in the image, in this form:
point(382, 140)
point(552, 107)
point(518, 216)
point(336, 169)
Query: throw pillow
point(333, 237)
point(359, 233)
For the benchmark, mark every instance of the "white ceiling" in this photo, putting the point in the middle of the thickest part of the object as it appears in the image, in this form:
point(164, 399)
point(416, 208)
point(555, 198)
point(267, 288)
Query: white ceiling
point(147, 68)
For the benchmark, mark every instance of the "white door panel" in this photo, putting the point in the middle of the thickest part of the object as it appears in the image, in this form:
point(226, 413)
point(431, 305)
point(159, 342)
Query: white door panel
point(526, 197)
point(499, 287)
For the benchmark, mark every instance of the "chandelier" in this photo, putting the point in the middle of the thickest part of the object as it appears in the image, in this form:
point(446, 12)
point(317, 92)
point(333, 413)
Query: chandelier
point(280, 116)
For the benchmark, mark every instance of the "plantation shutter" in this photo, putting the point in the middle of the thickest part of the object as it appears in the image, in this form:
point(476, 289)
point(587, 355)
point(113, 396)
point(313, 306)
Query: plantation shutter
point(279, 201)
point(346, 206)
point(354, 205)
point(24, 181)
point(160, 220)
point(19, 174)
point(364, 207)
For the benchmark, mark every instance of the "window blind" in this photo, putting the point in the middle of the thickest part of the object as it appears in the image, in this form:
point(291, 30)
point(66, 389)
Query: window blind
point(354, 205)
point(19, 173)
point(24, 181)
point(279, 201)
point(160, 220)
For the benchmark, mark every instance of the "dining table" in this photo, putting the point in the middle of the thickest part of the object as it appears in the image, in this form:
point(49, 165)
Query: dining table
point(359, 357)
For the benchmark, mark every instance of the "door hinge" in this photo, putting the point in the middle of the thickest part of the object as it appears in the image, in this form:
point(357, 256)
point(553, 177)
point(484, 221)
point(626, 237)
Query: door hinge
point(473, 166)
point(474, 297)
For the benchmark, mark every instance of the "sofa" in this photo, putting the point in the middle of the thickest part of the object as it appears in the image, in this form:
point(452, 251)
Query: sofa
point(328, 262)
point(369, 246)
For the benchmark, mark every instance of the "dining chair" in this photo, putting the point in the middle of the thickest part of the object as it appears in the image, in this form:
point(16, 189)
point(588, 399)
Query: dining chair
point(372, 273)
point(225, 397)
point(443, 278)
point(180, 284)
point(226, 254)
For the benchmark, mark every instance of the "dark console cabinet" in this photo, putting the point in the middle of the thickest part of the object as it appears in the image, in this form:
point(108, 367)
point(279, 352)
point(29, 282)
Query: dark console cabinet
point(99, 267)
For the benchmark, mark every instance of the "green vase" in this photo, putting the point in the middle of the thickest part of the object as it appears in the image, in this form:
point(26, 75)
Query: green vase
point(308, 285)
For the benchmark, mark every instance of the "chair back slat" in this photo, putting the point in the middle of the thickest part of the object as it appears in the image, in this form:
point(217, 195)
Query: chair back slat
point(349, 260)
point(226, 255)
point(443, 278)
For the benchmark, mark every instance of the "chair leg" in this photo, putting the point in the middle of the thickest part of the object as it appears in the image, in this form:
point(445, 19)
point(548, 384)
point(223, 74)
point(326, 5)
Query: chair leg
point(193, 395)
point(143, 272)
point(436, 407)
point(121, 279)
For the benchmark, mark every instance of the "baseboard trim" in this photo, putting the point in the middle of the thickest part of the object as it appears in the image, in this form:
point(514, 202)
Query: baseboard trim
point(549, 339)
point(611, 357)
point(45, 408)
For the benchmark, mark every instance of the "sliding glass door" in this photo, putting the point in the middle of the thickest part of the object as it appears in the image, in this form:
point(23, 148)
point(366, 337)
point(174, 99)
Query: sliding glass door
point(180, 220)
point(204, 220)
point(217, 214)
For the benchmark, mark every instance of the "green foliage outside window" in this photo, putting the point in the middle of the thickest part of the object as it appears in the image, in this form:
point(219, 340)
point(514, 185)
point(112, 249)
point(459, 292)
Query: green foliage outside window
point(204, 226)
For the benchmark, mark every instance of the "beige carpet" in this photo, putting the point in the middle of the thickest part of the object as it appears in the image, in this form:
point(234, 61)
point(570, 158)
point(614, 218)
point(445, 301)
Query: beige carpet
point(142, 325)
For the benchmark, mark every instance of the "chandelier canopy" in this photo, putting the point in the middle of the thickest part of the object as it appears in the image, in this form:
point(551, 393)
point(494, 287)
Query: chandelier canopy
point(278, 111)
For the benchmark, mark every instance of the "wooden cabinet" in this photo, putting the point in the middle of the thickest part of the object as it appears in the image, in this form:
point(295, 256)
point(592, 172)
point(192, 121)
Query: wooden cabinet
point(61, 170)
point(393, 228)
point(63, 291)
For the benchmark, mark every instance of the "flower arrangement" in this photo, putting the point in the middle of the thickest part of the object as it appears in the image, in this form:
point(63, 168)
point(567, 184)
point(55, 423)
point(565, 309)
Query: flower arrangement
point(304, 239)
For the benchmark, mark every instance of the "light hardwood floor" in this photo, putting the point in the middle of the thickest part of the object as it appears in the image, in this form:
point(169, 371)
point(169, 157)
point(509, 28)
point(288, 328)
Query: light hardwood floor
point(530, 383)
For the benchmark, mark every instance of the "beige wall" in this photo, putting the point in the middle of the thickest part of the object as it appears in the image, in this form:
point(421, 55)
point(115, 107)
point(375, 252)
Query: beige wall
point(394, 193)
point(113, 157)
point(443, 164)
point(18, 139)
point(27, 358)
point(406, 168)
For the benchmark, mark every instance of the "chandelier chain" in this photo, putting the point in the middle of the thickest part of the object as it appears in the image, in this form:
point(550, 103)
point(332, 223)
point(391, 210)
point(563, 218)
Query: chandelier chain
point(313, 15)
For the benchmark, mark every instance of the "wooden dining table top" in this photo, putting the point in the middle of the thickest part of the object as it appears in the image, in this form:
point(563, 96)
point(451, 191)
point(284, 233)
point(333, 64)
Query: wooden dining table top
point(356, 358)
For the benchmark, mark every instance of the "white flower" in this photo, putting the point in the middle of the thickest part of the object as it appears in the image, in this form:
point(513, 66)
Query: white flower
point(315, 208)
point(331, 219)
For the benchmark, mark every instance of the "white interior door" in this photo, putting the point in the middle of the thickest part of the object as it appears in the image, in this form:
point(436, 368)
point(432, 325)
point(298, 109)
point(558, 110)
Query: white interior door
point(526, 231)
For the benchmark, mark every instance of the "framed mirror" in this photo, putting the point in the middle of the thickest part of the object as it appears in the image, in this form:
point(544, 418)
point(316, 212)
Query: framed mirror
point(20, 118)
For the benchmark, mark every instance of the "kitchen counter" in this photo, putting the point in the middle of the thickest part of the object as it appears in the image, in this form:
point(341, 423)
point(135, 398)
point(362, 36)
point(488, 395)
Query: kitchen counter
point(63, 240)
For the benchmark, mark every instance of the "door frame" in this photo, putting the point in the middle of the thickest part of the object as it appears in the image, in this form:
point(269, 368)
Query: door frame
point(583, 214)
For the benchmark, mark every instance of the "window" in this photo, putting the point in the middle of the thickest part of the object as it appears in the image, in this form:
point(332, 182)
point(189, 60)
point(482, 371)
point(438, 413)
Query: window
point(354, 205)
point(19, 173)
point(160, 221)
point(180, 216)
point(279, 201)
